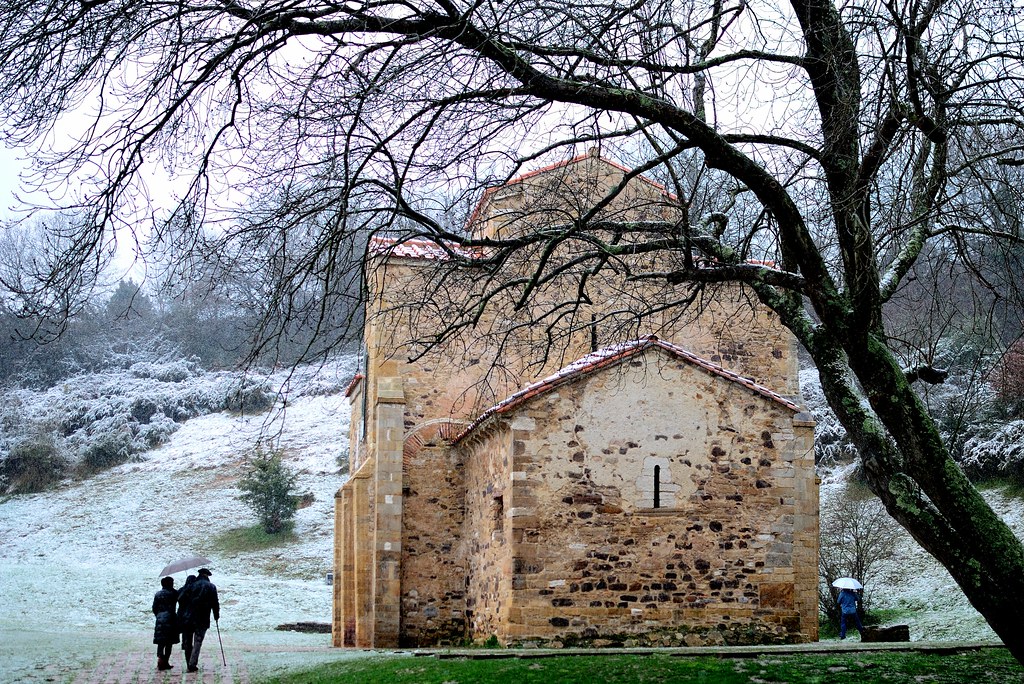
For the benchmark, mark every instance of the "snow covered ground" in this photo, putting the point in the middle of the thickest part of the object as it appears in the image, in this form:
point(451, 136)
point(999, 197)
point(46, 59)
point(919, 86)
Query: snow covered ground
point(79, 565)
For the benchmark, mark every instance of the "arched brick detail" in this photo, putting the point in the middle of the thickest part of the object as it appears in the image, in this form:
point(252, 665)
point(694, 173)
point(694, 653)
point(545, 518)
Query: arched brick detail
point(430, 432)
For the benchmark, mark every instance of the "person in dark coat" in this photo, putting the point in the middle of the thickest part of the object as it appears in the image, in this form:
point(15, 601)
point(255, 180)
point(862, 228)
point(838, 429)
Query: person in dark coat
point(186, 629)
point(200, 600)
point(165, 634)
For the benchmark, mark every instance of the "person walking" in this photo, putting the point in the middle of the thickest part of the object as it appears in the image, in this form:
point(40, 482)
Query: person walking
point(200, 599)
point(165, 633)
point(849, 601)
point(186, 629)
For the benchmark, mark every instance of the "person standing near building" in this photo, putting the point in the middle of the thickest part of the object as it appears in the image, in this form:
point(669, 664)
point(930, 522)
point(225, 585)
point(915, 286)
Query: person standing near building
point(849, 601)
point(165, 633)
point(200, 600)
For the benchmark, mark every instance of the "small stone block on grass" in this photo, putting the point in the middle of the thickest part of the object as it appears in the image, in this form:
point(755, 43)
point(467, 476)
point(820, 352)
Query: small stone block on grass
point(886, 634)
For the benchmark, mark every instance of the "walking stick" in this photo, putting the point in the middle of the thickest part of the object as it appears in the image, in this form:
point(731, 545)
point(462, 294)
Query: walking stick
point(225, 660)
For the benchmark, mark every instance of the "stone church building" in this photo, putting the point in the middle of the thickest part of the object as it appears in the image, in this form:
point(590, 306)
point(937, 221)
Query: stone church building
point(652, 489)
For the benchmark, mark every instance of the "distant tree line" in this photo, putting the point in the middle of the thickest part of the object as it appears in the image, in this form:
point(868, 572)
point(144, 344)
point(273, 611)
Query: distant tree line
point(216, 317)
point(127, 326)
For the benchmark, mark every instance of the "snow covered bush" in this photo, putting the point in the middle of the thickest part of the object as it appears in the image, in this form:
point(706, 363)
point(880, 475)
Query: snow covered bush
point(978, 410)
point(978, 420)
point(322, 387)
point(831, 445)
point(105, 419)
point(168, 371)
point(963, 404)
point(997, 452)
point(248, 395)
point(108, 443)
point(33, 464)
point(157, 431)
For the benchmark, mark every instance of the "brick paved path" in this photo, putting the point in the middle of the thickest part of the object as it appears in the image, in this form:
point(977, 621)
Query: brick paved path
point(140, 668)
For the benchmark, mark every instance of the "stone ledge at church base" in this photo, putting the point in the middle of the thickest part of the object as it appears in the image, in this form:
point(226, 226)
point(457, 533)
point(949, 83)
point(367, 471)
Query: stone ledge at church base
point(815, 647)
point(678, 637)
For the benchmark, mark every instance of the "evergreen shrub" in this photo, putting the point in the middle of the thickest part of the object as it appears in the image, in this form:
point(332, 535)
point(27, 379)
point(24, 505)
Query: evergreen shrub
point(268, 488)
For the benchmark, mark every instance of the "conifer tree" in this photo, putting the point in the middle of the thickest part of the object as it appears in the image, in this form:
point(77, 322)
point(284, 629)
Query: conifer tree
point(268, 487)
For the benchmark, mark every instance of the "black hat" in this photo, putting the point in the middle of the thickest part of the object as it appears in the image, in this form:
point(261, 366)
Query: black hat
point(204, 571)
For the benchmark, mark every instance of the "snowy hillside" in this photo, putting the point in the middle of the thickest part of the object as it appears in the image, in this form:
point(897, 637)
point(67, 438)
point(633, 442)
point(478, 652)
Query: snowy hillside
point(84, 560)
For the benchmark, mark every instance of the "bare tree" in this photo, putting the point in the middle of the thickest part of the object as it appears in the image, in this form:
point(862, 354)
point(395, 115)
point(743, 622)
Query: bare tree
point(856, 536)
point(36, 278)
point(844, 143)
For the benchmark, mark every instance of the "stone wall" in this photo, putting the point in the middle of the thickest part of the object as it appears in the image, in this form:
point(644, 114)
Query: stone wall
point(438, 605)
point(486, 536)
point(387, 511)
point(566, 191)
point(593, 560)
point(433, 565)
point(464, 376)
point(411, 299)
point(353, 610)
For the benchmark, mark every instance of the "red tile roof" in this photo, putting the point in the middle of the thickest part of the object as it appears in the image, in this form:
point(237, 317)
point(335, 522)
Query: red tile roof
point(430, 250)
point(610, 356)
point(417, 248)
point(352, 385)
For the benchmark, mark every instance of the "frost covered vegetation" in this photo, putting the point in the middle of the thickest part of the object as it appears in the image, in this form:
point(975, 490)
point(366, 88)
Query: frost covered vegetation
point(91, 422)
point(125, 372)
point(979, 408)
point(62, 550)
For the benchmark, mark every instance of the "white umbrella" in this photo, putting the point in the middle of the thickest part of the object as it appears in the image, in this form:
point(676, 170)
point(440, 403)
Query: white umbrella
point(184, 564)
point(847, 583)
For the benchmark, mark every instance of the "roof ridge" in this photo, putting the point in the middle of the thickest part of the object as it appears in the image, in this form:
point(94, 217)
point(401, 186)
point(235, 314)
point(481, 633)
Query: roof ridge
point(418, 247)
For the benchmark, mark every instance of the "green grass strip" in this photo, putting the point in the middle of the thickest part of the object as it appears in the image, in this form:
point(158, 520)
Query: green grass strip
point(254, 538)
point(992, 666)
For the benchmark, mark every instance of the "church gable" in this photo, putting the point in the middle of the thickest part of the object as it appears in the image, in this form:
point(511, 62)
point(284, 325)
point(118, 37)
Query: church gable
point(637, 487)
point(613, 356)
point(565, 191)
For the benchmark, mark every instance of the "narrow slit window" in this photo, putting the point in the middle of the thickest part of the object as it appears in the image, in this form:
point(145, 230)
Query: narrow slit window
point(498, 512)
point(657, 486)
